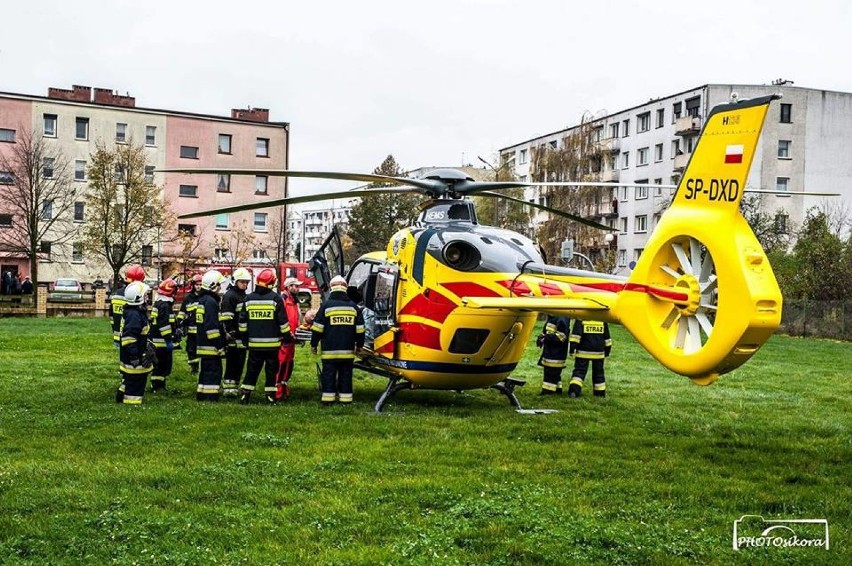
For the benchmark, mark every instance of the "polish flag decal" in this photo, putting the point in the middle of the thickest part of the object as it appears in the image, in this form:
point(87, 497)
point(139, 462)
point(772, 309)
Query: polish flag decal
point(734, 154)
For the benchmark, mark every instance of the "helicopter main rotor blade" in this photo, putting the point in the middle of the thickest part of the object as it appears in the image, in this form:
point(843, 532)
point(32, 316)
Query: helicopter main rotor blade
point(649, 186)
point(427, 185)
point(297, 200)
point(475, 187)
point(556, 211)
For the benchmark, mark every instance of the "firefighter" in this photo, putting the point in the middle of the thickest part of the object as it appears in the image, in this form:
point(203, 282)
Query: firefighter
point(235, 350)
point(554, 344)
point(186, 322)
point(116, 300)
point(287, 352)
point(209, 342)
point(162, 332)
point(116, 305)
point(263, 325)
point(136, 358)
point(339, 326)
point(590, 341)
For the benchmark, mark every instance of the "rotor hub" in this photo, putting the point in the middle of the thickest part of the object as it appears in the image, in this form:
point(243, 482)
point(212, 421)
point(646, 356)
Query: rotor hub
point(689, 284)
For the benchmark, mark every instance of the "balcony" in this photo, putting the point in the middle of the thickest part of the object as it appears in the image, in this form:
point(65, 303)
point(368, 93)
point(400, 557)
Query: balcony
point(610, 176)
point(687, 126)
point(607, 145)
point(608, 209)
point(680, 162)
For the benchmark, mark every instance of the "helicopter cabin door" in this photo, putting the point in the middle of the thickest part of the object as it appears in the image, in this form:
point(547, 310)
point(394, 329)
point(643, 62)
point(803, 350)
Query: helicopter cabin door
point(373, 285)
point(327, 262)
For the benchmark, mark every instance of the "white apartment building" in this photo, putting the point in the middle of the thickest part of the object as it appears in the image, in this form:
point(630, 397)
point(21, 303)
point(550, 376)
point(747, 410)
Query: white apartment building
point(307, 229)
point(802, 148)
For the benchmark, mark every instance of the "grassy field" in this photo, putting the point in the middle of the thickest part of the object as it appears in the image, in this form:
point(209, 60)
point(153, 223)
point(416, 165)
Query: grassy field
point(655, 473)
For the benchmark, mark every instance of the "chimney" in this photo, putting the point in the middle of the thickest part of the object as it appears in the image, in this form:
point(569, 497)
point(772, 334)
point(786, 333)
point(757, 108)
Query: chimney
point(251, 114)
point(77, 94)
point(107, 96)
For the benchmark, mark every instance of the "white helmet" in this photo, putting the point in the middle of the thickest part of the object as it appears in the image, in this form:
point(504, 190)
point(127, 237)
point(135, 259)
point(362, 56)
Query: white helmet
point(135, 293)
point(242, 274)
point(337, 283)
point(211, 280)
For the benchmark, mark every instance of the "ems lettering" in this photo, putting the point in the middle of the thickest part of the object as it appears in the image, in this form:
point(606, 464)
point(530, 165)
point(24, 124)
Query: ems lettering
point(261, 315)
point(716, 190)
point(342, 319)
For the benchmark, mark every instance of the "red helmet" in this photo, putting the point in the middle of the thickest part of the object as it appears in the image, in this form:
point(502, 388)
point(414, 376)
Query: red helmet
point(196, 278)
point(134, 273)
point(167, 288)
point(266, 278)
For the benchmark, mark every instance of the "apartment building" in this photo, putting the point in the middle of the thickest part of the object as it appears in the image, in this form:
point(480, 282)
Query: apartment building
point(801, 149)
point(76, 120)
point(308, 228)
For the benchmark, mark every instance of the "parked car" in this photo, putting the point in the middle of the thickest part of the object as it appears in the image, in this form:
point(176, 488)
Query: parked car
point(65, 290)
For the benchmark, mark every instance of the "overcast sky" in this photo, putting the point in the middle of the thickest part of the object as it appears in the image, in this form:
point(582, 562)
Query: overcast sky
point(436, 82)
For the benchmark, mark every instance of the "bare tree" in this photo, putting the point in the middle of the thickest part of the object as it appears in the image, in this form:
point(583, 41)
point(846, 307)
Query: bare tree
point(126, 211)
point(234, 247)
point(278, 234)
point(37, 190)
point(188, 244)
point(503, 213)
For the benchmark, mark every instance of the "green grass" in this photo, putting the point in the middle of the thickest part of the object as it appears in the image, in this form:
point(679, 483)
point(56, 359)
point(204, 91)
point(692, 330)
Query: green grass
point(655, 473)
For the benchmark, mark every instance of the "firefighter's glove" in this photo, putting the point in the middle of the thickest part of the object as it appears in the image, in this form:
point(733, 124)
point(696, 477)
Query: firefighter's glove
point(540, 340)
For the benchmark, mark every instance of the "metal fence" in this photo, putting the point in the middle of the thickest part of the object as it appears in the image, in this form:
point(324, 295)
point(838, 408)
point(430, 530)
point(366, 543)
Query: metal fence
point(820, 319)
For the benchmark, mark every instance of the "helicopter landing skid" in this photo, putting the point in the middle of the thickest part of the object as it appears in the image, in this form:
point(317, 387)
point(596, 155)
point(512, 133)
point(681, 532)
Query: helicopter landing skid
point(507, 388)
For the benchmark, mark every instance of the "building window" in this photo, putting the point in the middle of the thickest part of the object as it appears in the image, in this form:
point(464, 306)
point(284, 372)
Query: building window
point(659, 190)
point(623, 224)
point(262, 147)
point(784, 149)
point(121, 132)
point(225, 143)
point(693, 105)
point(149, 174)
point(188, 152)
point(223, 183)
point(781, 223)
point(6, 178)
point(782, 184)
point(641, 191)
point(47, 210)
point(77, 252)
point(676, 148)
point(642, 156)
point(786, 113)
point(690, 143)
point(186, 229)
point(613, 130)
point(637, 253)
point(79, 170)
point(119, 173)
point(5, 220)
point(223, 221)
point(50, 125)
point(622, 258)
point(624, 193)
point(259, 254)
point(597, 133)
point(79, 211)
point(81, 128)
point(220, 253)
point(261, 184)
point(47, 167)
point(625, 160)
point(188, 191)
point(44, 249)
point(7, 135)
point(150, 135)
point(522, 159)
point(625, 127)
point(147, 254)
point(643, 122)
point(641, 224)
point(661, 116)
point(676, 110)
point(260, 221)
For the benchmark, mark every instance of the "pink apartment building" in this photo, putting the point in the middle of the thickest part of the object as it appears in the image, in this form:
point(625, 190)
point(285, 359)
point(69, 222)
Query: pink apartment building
point(75, 120)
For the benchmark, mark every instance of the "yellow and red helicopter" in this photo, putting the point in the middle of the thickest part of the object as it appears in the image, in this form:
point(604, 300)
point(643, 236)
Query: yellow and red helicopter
point(455, 301)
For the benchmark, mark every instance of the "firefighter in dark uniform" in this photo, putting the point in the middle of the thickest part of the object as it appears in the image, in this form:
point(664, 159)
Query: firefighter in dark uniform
point(554, 344)
point(116, 306)
point(263, 325)
point(339, 326)
point(135, 359)
point(162, 332)
point(186, 322)
point(590, 342)
point(235, 350)
point(209, 342)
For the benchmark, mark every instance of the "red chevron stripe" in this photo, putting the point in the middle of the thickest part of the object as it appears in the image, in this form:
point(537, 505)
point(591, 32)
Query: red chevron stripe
point(420, 335)
point(429, 304)
point(469, 289)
